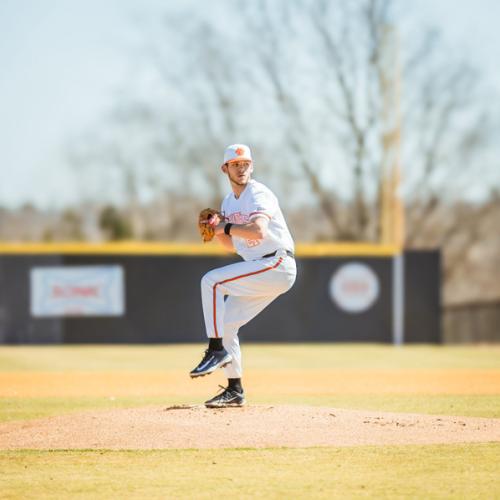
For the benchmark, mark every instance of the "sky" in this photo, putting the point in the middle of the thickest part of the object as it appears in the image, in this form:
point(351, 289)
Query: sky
point(62, 64)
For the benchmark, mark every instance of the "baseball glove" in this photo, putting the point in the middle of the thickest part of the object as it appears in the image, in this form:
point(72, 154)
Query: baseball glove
point(207, 220)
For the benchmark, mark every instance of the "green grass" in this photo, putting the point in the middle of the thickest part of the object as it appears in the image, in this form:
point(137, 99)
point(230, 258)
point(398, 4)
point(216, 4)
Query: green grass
point(257, 356)
point(438, 471)
point(463, 405)
point(467, 406)
point(28, 408)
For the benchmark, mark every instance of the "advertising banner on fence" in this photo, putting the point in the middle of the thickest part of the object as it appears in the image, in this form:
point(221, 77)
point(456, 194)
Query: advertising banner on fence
point(77, 291)
point(156, 298)
point(354, 287)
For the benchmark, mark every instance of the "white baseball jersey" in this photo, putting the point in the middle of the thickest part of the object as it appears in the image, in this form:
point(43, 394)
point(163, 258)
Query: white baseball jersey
point(257, 200)
point(251, 285)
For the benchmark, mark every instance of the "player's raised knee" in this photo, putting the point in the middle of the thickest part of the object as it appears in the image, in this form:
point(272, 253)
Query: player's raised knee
point(208, 279)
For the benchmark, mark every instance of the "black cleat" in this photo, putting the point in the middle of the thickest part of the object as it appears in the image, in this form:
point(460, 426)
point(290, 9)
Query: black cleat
point(226, 399)
point(210, 362)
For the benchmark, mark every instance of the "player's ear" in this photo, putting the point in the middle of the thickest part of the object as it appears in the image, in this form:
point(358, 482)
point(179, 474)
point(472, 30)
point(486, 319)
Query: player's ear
point(251, 168)
point(224, 168)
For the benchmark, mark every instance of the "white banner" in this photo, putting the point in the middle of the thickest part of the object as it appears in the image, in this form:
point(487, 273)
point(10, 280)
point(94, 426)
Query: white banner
point(77, 291)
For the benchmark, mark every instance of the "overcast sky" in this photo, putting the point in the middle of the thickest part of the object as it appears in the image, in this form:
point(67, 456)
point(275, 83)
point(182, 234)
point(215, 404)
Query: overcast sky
point(62, 64)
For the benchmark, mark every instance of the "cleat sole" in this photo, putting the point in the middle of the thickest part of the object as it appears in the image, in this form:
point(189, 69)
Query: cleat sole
point(228, 405)
point(196, 375)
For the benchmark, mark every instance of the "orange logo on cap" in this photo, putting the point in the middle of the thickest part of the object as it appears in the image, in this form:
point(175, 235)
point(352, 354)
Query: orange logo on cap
point(240, 151)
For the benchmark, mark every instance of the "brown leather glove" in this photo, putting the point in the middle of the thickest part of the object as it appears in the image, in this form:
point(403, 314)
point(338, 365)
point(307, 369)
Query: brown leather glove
point(207, 220)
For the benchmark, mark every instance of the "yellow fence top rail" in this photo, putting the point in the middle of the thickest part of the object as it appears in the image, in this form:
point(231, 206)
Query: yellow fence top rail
point(158, 248)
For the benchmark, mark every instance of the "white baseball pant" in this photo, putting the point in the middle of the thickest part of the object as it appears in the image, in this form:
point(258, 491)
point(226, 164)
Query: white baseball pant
point(250, 287)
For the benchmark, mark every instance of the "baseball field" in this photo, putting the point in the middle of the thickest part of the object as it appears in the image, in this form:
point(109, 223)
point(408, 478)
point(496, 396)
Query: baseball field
point(322, 421)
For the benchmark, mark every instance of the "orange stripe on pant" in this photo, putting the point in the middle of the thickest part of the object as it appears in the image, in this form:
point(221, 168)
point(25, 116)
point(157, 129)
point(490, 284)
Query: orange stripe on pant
point(234, 279)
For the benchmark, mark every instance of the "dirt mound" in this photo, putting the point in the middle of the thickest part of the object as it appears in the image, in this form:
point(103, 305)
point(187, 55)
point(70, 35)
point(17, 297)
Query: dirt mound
point(251, 426)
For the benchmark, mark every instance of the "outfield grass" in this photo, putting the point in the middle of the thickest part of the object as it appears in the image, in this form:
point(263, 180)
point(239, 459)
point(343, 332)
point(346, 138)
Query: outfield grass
point(467, 406)
point(438, 471)
point(256, 356)
point(38, 381)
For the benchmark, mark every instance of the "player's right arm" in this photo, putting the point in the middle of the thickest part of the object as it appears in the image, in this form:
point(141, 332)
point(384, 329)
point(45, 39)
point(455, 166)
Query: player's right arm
point(226, 241)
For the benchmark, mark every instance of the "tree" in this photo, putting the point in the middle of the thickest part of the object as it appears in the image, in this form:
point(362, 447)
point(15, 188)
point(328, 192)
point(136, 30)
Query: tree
point(114, 224)
point(304, 83)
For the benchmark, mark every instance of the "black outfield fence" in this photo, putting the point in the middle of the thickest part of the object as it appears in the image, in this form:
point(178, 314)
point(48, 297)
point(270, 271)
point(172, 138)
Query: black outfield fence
point(116, 298)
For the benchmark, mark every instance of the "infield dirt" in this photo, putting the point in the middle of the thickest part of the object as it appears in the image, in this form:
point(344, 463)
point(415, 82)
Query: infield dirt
point(251, 426)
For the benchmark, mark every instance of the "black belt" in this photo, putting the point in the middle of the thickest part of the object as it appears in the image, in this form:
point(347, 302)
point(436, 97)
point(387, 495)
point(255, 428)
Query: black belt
point(290, 254)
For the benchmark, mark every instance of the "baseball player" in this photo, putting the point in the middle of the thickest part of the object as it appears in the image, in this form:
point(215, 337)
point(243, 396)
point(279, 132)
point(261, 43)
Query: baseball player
point(251, 224)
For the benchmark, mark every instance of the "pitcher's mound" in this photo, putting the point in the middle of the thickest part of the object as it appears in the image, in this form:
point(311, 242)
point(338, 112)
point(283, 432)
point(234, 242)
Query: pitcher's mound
point(251, 426)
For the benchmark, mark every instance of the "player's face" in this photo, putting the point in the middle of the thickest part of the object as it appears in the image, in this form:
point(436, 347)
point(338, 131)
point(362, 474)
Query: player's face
point(239, 172)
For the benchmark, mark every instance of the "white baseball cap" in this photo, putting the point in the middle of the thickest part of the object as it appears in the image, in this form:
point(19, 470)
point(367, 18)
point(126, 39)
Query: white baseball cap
point(237, 152)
